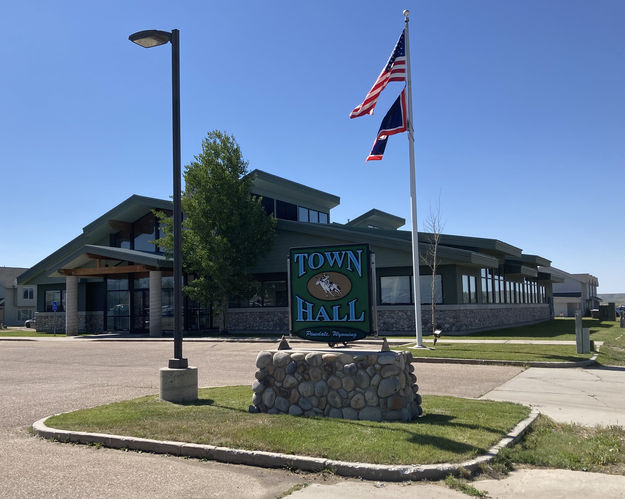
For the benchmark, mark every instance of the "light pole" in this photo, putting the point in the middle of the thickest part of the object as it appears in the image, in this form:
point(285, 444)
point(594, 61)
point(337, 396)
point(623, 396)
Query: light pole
point(152, 38)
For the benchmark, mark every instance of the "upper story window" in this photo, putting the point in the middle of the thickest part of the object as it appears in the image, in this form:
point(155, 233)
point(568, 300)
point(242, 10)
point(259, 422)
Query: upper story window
point(139, 235)
point(289, 211)
point(311, 216)
point(28, 293)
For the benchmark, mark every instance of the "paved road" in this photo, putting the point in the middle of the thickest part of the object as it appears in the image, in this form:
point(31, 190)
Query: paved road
point(40, 378)
point(584, 396)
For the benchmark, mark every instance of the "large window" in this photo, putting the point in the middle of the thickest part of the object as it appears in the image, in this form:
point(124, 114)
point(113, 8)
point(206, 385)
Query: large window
point(469, 294)
point(397, 290)
point(55, 296)
point(269, 293)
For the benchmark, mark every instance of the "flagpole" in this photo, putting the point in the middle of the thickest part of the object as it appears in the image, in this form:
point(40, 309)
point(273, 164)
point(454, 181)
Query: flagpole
point(416, 280)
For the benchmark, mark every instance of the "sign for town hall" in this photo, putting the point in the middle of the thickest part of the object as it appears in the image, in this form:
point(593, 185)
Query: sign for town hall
point(329, 295)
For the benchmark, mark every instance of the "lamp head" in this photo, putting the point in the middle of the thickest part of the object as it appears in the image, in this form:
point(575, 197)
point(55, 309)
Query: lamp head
point(150, 37)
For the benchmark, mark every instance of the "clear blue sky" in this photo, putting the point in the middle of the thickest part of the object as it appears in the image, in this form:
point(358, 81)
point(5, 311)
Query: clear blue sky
point(519, 112)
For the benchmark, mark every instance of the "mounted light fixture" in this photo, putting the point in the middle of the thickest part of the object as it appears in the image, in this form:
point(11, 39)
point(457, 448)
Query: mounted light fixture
point(150, 38)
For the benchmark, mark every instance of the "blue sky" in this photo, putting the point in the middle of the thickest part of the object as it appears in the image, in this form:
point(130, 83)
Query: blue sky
point(519, 111)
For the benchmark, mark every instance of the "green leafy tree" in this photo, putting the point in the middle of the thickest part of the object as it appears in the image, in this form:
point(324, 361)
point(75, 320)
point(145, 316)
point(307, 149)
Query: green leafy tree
point(225, 230)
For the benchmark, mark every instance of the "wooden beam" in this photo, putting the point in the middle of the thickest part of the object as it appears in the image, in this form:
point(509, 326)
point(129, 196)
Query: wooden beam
point(122, 269)
point(93, 256)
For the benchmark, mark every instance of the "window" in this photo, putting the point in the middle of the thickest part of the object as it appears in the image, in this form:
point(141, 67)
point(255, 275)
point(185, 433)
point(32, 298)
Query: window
point(426, 289)
point(29, 294)
point(487, 293)
point(302, 214)
point(24, 314)
point(286, 211)
point(144, 232)
point(58, 296)
point(395, 290)
point(312, 216)
point(469, 289)
point(270, 293)
point(267, 203)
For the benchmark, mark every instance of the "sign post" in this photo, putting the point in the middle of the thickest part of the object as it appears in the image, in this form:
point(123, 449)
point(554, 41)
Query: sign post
point(330, 293)
point(54, 309)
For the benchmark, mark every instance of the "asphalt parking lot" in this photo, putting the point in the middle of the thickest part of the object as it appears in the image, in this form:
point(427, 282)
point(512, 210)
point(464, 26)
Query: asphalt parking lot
point(43, 377)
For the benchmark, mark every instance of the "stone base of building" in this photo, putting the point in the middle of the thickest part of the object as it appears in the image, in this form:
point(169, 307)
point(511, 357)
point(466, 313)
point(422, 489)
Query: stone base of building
point(374, 386)
point(462, 318)
point(399, 319)
point(88, 322)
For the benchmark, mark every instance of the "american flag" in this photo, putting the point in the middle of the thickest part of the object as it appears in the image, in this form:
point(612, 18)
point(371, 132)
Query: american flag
point(395, 70)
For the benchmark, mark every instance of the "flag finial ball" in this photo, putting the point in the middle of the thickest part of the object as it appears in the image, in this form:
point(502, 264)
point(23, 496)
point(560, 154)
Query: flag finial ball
point(406, 13)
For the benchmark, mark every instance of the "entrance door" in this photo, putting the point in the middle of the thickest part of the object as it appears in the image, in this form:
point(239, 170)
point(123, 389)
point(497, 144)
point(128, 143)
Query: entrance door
point(140, 311)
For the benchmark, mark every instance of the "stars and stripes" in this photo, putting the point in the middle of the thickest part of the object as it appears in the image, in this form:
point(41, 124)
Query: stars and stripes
point(395, 70)
point(394, 122)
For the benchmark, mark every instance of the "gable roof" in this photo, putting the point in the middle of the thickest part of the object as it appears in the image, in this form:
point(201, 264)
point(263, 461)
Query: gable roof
point(129, 210)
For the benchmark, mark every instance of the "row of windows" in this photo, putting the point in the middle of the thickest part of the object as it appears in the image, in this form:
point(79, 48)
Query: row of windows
point(139, 235)
point(496, 289)
point(394, 290)
point(290, 211)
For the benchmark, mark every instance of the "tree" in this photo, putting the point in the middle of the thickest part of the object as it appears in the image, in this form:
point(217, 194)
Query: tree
point(434, 227)
point(225, 230)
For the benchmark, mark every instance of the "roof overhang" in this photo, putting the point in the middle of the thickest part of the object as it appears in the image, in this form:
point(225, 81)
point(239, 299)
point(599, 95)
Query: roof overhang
point(98, 261)
point(266, 184)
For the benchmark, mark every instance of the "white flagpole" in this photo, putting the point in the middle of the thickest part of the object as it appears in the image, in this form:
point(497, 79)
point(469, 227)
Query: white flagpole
point(416, 280)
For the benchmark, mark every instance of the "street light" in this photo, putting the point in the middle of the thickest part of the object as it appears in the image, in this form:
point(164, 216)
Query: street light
point(152, 38)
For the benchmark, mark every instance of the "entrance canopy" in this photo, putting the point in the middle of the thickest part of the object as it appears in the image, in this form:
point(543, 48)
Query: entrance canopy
point(99, 261)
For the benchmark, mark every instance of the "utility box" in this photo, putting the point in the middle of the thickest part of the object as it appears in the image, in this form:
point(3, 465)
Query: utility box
point(582, 335)
point(582, 341)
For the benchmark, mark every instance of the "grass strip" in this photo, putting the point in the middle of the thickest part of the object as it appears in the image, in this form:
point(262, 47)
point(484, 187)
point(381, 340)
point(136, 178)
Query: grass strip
point(569, 446)
point(452, 430)
point(522, 353)
point(560, 328)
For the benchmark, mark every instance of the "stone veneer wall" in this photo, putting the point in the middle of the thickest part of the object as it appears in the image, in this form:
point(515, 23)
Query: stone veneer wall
point(255, 319)
point(400, 319)
point(375, 386)
point(88, 322)
point(462, 318)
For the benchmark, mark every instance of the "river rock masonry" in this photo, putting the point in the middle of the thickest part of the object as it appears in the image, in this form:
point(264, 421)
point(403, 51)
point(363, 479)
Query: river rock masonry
point(374, 386)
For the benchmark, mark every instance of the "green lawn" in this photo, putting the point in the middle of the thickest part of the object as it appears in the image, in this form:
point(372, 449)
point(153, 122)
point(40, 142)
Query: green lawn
point(28, 333)
point(558, 445)
point(561, 328)
point(611, 353)
point(452, 430)
point(488, 351)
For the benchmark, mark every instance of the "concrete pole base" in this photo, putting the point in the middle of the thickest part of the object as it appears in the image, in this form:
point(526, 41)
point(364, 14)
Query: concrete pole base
point(178, 385)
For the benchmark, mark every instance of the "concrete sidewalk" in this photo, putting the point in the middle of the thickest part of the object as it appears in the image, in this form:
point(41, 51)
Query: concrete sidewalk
point(590, 396)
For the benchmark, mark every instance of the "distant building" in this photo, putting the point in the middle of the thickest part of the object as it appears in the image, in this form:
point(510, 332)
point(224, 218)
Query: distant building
point(17, 303)
point(111, 277)
point(574, 292)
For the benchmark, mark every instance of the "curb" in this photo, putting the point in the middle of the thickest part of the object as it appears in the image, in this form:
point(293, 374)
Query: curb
point(367, 471)
point(519, 363)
